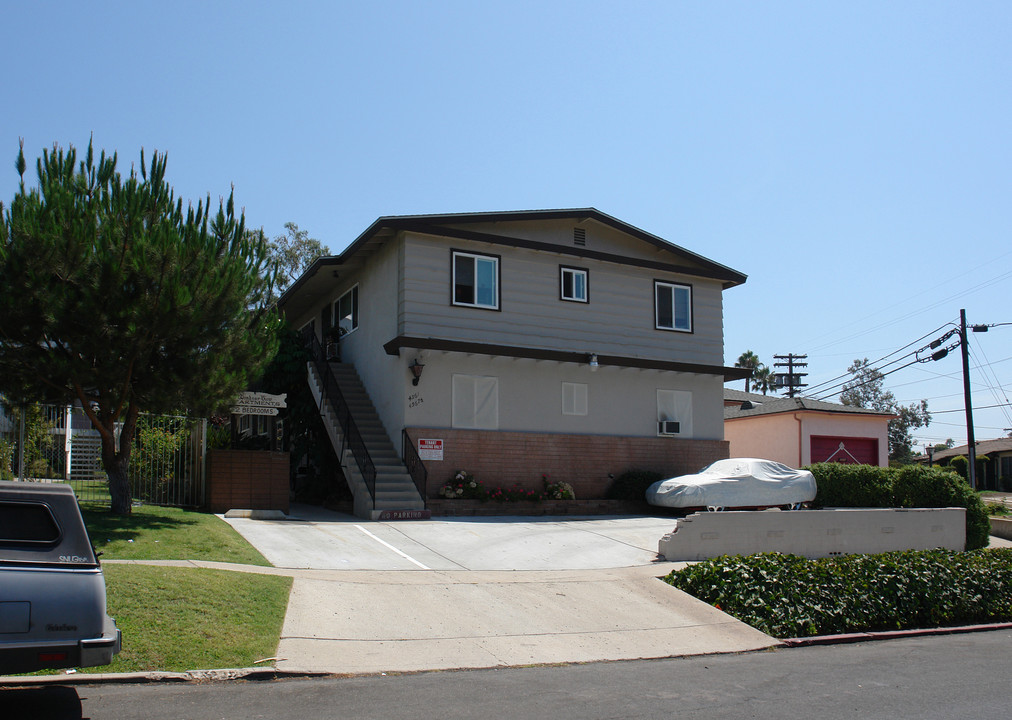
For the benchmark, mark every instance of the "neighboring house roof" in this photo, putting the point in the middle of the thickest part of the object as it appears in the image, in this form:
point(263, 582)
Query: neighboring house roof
point(983, 447)
point(738, 404)
point(376, 234)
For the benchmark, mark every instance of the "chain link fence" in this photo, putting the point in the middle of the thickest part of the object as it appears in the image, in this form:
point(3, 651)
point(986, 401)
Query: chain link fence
point(53, 443)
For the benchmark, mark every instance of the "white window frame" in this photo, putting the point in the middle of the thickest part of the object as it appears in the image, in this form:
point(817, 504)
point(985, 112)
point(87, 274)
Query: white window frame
point(674, 406)
point(671, 305)
point(574, 273)
point(475, 402)
point(352, 293)
point(574, 398)
point(476, 259)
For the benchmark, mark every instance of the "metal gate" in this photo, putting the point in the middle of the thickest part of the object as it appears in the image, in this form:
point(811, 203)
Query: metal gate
point(52, 443)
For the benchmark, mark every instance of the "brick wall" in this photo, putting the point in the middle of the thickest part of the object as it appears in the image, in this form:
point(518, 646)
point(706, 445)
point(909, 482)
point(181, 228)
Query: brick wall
point(247, 480)
point(505, 459)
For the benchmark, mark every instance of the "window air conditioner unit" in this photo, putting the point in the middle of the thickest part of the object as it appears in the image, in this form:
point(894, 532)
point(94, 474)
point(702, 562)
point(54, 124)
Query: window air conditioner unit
point(668, 427)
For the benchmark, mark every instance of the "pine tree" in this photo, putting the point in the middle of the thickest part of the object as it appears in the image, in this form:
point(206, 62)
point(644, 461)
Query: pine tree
point(119, 298)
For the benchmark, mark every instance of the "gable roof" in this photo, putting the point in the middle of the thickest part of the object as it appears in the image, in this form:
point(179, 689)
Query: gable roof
point(386, 227)
point(772, 404)
point(982, 447)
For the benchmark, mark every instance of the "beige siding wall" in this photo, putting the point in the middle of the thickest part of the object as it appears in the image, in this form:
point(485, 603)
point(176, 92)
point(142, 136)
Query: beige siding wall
point(620, 401)
point(618, 320)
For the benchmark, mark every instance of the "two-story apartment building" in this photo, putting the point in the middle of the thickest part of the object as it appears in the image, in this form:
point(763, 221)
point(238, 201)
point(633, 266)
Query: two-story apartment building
point(520, 344)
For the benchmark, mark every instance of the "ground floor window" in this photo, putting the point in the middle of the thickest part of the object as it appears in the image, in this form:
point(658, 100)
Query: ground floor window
point(674, 413)
point(574, 398)
point(475, 402)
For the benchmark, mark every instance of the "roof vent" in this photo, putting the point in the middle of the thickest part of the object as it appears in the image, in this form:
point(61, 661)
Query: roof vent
point(749, 405)
point(580, 237)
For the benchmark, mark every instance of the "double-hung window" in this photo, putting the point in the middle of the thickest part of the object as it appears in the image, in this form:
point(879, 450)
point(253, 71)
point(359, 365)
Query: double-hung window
point(672, 306)
point(476, 280)
point(573, 284)
point(346, 310)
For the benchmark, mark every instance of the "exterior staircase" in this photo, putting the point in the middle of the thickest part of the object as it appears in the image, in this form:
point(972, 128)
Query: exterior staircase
point(392, 494)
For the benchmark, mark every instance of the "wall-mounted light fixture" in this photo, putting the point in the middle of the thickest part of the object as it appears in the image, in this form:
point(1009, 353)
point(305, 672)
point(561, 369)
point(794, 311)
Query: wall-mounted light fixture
point(416, 369)
point(593, 362)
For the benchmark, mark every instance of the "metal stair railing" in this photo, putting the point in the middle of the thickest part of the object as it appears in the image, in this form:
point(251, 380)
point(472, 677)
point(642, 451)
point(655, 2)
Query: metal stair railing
point(332, 392)
point(419, 475)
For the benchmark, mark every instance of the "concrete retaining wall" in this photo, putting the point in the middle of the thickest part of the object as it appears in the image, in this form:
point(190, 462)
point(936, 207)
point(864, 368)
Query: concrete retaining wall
point(1001, 527)
point(814, 533)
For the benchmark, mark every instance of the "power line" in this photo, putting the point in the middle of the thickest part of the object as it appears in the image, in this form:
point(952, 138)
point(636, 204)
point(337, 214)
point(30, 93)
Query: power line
point(815, 389)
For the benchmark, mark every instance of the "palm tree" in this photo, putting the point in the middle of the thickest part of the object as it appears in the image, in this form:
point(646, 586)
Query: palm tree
point(764, 379)
point(748, 360)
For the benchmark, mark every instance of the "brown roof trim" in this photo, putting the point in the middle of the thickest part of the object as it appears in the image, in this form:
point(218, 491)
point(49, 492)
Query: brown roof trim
point(463, 346)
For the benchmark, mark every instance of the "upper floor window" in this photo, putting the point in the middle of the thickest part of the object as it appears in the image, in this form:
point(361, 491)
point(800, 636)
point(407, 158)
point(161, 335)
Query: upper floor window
point(476, 280)
point(346, 310)
point(573, 284)
point(672, 306)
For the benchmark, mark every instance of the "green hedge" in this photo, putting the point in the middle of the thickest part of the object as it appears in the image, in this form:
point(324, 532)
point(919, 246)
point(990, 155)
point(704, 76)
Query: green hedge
point(789, 596)
point(908, 486)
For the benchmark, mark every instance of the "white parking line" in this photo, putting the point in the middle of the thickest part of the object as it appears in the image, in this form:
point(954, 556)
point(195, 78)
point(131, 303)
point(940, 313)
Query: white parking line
point(386, 544)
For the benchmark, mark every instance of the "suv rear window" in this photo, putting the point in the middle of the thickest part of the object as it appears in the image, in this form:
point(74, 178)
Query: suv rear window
point(22, 522)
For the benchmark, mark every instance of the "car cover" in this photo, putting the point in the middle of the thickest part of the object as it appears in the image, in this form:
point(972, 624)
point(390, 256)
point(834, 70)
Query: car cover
point(737, 482)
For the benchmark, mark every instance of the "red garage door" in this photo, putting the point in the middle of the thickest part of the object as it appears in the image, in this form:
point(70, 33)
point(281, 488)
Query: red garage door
point(847, 450)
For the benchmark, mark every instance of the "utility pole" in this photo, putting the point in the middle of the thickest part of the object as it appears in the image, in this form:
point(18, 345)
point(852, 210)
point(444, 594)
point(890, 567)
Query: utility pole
point(971, 446)
point(791, 380)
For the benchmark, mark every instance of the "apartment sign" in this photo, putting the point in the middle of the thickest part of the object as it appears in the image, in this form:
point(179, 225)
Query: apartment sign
point(429, 449)
point(258, 403)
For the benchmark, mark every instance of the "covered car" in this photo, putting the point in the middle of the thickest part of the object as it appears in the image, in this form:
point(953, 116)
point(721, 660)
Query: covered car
point(736, 483)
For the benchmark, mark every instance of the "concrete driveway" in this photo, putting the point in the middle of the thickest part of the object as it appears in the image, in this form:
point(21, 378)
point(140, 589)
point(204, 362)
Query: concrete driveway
point(453, 593)
point(318, 539)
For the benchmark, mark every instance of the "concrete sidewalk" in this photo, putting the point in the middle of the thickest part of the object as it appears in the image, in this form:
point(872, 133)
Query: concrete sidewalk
point(482, 592)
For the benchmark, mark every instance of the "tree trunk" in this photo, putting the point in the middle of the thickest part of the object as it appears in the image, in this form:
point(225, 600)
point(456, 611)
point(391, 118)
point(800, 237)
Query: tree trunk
point(116, 462)
point(119, 485)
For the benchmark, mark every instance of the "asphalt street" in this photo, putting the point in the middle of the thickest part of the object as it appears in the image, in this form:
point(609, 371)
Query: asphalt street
point(923, 678)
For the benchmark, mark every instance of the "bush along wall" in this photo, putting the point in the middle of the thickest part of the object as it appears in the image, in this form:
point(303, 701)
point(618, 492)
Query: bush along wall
point(788, 596)
point(909, 486)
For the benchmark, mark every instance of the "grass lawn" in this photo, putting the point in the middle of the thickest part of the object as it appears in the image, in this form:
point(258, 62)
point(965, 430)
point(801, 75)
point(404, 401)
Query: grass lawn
point(179, 619)
point(151, 532)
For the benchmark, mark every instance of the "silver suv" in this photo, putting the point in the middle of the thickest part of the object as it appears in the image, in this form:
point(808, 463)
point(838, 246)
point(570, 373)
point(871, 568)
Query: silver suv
point(52, 591)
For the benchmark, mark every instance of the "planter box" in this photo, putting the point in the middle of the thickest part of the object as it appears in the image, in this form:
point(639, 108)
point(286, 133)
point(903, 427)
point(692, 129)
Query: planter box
point(247, 480)
point(814, 533)
point(1001, 527)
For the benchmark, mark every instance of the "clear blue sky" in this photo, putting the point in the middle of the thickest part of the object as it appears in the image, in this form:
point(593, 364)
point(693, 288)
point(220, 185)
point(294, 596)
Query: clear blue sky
point(852, 158)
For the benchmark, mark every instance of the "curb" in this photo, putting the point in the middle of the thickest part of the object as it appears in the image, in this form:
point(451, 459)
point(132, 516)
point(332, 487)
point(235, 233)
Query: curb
point(138, 678)
point(890, 635)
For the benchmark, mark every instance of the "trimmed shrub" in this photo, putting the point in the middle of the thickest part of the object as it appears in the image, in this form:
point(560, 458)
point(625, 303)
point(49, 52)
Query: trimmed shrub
point(789, 596)
point(632, 485)
point(918, 486)
point(960, 464)
point(852, 485)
